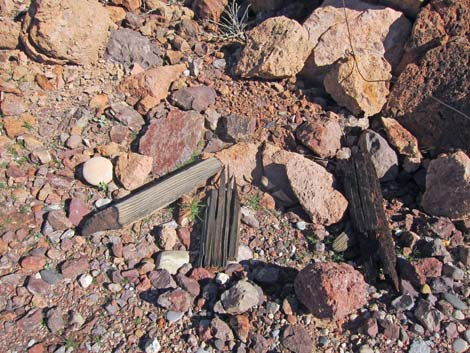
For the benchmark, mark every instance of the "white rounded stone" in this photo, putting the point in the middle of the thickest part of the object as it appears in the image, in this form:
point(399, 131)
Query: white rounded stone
point(98, 170)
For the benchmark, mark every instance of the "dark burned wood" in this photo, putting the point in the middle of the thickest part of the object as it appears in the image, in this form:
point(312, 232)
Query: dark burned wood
point(362, 188)
point(220, 235)
point(151, 198)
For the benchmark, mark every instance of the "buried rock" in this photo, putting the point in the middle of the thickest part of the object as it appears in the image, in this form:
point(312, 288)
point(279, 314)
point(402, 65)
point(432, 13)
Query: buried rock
point(65, 31)
point(331, 290)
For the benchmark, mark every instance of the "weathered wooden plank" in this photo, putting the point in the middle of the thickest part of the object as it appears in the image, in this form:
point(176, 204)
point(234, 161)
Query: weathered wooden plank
point(152, 197)
point(362, 189)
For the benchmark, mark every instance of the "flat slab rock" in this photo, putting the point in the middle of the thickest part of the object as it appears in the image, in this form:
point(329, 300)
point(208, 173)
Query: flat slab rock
point(128, 47)
point(314, 187)
point(172, 140)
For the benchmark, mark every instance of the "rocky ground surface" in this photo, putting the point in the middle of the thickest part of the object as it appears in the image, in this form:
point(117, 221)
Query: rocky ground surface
point(98, 99)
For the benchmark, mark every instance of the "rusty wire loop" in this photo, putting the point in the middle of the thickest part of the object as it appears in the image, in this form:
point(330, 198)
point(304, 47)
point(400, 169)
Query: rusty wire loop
point(353, 53)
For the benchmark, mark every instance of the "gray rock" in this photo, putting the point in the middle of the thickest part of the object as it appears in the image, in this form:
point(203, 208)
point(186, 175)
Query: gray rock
point(152, 346)
point(429, 317)
point(459, 345)
point(455, 301)
point(51, 276)
point(128, 47)
point(419, 346)
point(196, 98)
point(297, 339)
point(174, 316)
point(55, 320)
point(128, 116)
point(249, 217)
point(238, 299)
point(384, 158)
point(452, 271)
point(466, 335)
point(235, 128)
point(403, 302)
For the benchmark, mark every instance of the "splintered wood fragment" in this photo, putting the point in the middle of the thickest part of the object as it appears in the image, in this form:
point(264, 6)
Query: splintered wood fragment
point(362, 188)
point(220, 235)
point(152, 197)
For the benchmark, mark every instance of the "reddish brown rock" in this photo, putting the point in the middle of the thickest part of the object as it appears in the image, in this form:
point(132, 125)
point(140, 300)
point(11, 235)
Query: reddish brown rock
point(448, 186)
point(405, 143)
point(153, 82)
point(33, 263)
point(16, 126)
point(424, 93)
point(241, 326)
point(323, 137)
point(331, 290)
point(77, 210)
point(129, 5)
point(65, 31)
point(314, 187)
point(176, 300)
point(9, 33)
point(132, 169)
point(297, 339)
point(37, 348)
point(172, 140)
point(242, 161)
point(418, 271)
point(200, 274)
point(209, 9)
point(30, 321)
point(12, 104)
point(72, 268)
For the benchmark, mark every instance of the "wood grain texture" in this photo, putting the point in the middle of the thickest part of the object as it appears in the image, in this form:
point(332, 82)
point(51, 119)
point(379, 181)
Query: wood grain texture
point(151, 197)
point(362, 189)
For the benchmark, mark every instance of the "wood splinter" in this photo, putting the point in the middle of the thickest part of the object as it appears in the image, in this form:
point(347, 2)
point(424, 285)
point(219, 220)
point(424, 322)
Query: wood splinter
point(221, 231)
point(151, 198)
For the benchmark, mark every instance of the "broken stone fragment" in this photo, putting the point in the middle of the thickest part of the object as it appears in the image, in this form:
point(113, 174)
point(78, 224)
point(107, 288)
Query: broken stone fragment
point(375, 30)
point(154, 82)
point(448, 186)
point(331, 290)
point(383, 157)
point(132, 169)
point(360, 84)
point(172, 260)
point(314, 187)
point(277, 48)
point(238, 299)
point(172, 140)
point(65, 31)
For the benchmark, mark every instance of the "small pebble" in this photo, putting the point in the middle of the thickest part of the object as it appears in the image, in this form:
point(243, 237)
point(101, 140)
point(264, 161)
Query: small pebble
point(85, 280)
point(98, 170)
point(301, 225)
point(222, 278)
point(323, 340)
point(174, 316)
point(466, 336)
point(426, 289)
point(458, 315)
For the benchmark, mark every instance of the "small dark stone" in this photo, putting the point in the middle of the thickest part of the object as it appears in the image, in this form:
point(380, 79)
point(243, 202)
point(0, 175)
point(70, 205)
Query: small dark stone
point(235, 128)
